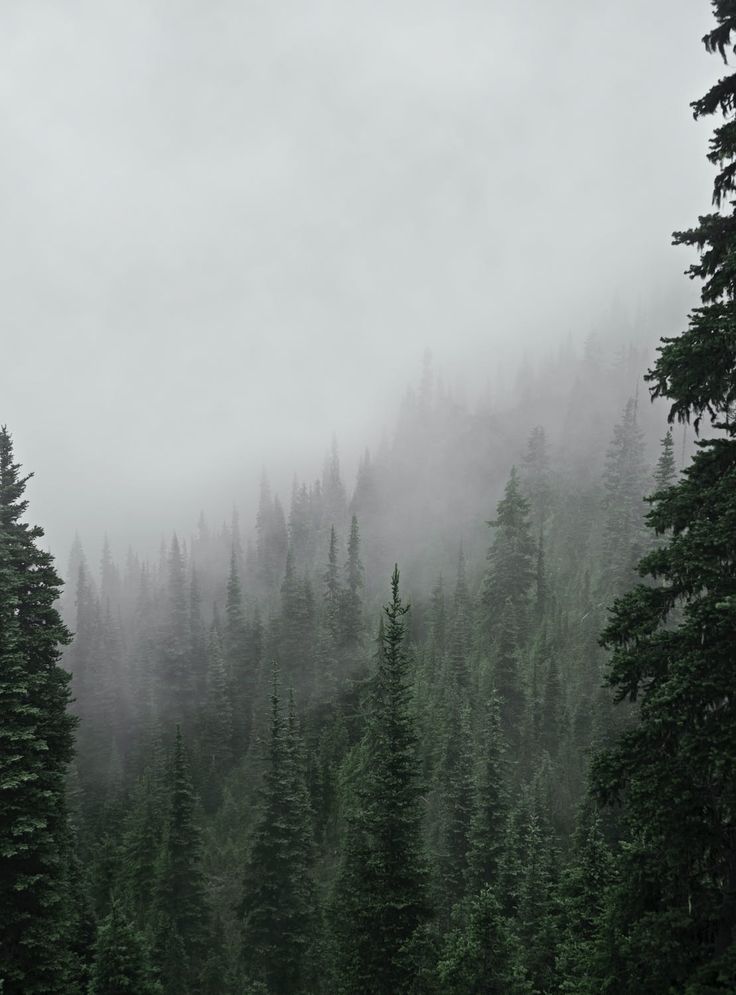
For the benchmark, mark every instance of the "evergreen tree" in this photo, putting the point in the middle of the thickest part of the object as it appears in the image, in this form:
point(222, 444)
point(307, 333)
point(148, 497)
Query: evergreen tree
point(176, 689)
point(35, 748)
point(381, 899)
point(673, 641)
point(510, 573)
point(459, 645)
point(624, 481)
point(352, 606)
point(217, 732)
point(490, 803)
point(332, 592)
point(480, 955)
point(182, 920)
point(278, 906)
point(238, 660)
point(121, 965)
point(665, 472)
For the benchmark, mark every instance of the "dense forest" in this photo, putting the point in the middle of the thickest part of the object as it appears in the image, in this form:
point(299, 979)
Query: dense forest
point(462, 725)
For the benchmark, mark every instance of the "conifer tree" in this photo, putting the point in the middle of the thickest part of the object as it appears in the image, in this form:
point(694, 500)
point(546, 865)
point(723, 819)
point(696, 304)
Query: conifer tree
point(624, 480)
point(381, 898)
point(352, 605)
point(122, 965)
point(238, 660)
point(490, 803)
point(176, 684)
point(510, 573)
point(480, 954)
point(332, 593)
point(459, 644)
point(182, 916)
point(665, 471)
point(36, 734)
point(217, 732)
point(673, 641)
point(277, 908)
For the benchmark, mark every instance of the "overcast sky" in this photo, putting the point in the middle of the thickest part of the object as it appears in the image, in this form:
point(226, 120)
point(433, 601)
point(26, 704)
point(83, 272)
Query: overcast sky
point(229, 229)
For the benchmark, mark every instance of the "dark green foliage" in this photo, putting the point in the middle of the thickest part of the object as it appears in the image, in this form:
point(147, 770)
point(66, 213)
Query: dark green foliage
point(625, 484)
point(674, 911)
point(35, 748)
point(278, 907)
point(351, 615)
point(490, 803)
point(182, 919)
point(381, 897)
point(122, 965)
point(480, 955)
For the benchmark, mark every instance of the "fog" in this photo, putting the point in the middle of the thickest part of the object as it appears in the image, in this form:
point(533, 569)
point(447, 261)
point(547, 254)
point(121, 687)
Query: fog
point(231, 230)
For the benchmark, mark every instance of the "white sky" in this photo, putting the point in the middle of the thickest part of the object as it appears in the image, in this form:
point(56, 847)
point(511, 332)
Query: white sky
point(231, 228)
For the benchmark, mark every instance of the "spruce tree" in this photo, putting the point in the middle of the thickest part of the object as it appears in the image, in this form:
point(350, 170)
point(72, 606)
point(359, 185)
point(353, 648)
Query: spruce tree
point(122, 965)
point(332, 593)
point(277, 907)
point(624, 481)
point(36, 734)
point(352, 605)
point(490, 803)
point(511, 557)
point(673, 640)
point(381, 897)
point(182, 915)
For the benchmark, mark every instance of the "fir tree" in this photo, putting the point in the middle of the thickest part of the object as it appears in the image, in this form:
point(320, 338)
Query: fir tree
point(332, 593)
point(381, 899)
point(510, 572)
point(277, 908)
point(182, 919)
point(352, 607)
point(673, 641)
point(490, 803)
point(238, 661)
point(122, 965)
point(665, 471)
point(35, 748)
point(624, 481)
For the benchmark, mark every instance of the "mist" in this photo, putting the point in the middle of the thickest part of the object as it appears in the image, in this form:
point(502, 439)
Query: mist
point(231, 231)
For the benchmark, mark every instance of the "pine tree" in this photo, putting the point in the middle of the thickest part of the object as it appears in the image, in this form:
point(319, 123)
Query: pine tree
point(455, 772)
point(352, 606)
point(381, 896)
point(536, 477)
point(459, 644)
point(182, 919)
point(35, 747)
point(175, 691)
point(673, 641)
point(490, 803)
point(277, 908)
point(332, 592)
point(480, 955)
point(238, 661)
point(122, 965)
point(665, 472)
point(624, 480)
point(217, 731)
point(510, 573)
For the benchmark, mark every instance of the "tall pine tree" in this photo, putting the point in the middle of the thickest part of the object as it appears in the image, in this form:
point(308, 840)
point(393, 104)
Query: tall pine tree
point(673, 640)
point(35, 747)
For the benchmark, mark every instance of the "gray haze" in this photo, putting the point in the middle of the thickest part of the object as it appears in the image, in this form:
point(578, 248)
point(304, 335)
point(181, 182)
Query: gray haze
point(231, 229)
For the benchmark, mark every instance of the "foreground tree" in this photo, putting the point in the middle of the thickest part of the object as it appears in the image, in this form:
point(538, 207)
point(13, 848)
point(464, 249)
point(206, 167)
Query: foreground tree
point(382, 889)
point(674, 915)
point(35, 748)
